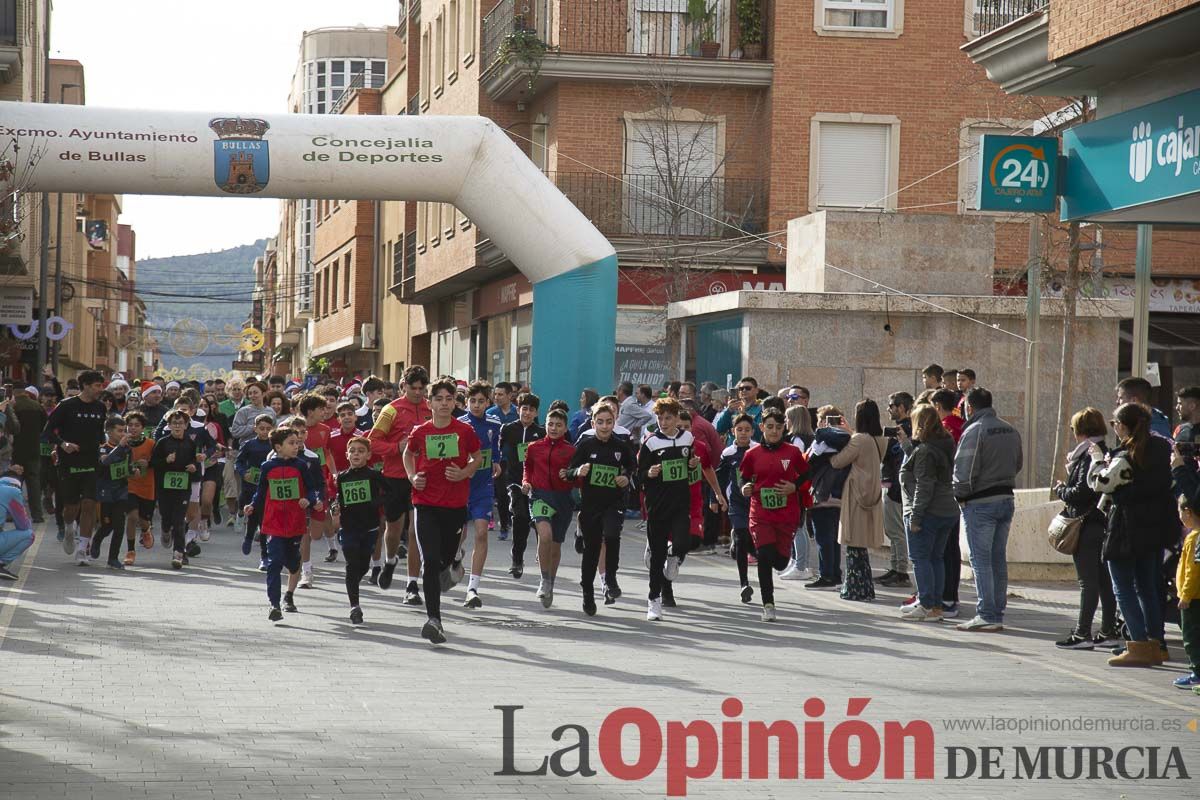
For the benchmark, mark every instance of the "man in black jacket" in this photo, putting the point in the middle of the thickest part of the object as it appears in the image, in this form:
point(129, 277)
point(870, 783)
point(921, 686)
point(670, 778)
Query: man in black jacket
point(27, 444)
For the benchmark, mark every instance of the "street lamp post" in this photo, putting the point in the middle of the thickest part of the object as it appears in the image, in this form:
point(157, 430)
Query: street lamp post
point(58, 282)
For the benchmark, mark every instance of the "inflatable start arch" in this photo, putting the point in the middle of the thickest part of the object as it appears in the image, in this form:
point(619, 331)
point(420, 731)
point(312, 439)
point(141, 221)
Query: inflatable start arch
point(467, 161)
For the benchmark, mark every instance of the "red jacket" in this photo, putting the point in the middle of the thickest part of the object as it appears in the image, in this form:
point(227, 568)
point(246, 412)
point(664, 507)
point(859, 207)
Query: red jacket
point(544, 459)
point(955, 425)
point(281, 485)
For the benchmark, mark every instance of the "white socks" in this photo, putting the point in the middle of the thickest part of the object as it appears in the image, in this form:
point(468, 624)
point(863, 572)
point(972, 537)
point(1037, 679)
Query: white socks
point(473, 583)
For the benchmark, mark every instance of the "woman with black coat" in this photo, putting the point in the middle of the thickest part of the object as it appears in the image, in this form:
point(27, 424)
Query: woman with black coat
point(1140, 522)
point(1080, 500)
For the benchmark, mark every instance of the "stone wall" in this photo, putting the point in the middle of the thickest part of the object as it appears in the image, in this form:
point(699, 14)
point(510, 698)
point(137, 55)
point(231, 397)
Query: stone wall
point(908, 252)
point(842, 353)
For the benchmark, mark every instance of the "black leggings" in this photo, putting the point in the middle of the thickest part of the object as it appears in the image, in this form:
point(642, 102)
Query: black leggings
point(1095, 585)
point(743, 545)
point(770, 560)
point(519, 508)
point(952, 565)
point(172, 507)
point(600, 527)
point(660, 532)
point(358, 549)
point(438, 532)
point(500, 492)
point(112, 520)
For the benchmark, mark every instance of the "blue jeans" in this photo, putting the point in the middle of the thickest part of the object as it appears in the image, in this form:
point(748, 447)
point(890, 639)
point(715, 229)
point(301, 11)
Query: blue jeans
point(987, 536)
point(282, 553)
point(800, 548)
point(829, 552)
point(1137, 583)
point(926, 550)
point(13, 543)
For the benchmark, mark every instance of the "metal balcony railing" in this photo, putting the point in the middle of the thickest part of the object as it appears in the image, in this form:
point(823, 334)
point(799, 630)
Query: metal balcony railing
point(408, 281)
point(526, 29)
point(993, 14)
point(685, 207)
point(8, 23)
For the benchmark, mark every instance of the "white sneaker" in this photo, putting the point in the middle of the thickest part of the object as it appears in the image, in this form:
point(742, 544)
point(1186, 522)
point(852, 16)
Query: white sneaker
point(979, 624)
point(204, 534)
point(82, 556)
point(654, 610)
point(791, 573)
point(768, 614)
point(70, 539)
point(306, 580)
point(671, 568)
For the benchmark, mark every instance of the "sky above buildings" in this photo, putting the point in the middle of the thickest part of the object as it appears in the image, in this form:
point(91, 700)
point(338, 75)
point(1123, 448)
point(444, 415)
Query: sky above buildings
point(216, 55)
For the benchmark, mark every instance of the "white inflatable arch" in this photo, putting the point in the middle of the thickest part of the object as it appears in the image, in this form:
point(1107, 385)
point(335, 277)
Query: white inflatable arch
point(467, 161)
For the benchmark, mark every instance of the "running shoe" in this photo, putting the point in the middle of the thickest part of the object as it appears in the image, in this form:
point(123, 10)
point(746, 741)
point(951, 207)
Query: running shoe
point(668, 597)
point(1189, 681)
point(165, 538)
point(1074, 641)
point(949, 610)
point(192, 549)
point(115, 563)
point(61, 534)
point(306, 580)
point(262, 565)
point(790, 572)
point(978, 624)
point(919, 613)
point(612, 593)
point(185, 558)
point(503, 535)
point(747, 593)
point(177, 560)
point(589, 605)
point(653, 610)
point(373, 578)
point(768, 612)
point(472, 600)
point(821, 583)
point(68, 540)
point(491, 524)
point(275, 615)
point(289, 603)
point(402, 551)
point(94, 547)
point(671, 568)
point(356, 616)
point(517, 569)
point(147, 540)
point(332, 557)
point(6, 574)
point(432, 630)
point(204, 534)
point(545, 594)
point(82, 557)
point(130, 558)
point(412, 597)
point(385, 575)
point(579, 543)
point(247, 543)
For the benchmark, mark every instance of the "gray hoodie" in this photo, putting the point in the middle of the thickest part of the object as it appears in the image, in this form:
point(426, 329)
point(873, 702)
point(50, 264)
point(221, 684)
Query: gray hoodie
point(988, 459)
point(925, 479)
point(242, 426)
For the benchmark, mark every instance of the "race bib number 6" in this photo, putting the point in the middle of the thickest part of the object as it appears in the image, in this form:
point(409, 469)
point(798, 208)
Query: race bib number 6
point(541, 508)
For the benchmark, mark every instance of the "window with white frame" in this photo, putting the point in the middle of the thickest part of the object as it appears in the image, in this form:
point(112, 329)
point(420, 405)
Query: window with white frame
point(875, 15)
point(452, 42)
point(425, 67)
point(854, 165)
point(537, 144)
point(439, 54)
point(422, 226)
point(672, 184)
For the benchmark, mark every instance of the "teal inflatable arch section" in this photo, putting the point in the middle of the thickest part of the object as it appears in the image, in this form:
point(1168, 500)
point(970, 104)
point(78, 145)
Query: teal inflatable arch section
point(466, 161)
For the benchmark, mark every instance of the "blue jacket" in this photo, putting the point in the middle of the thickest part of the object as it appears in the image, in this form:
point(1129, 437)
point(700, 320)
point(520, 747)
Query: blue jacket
point(576, 424)
point(511, 416)
point(112, 479)
point(252, 455)
point(724, 422)
point(727, 475)
point(12, 505)
point(488, 430)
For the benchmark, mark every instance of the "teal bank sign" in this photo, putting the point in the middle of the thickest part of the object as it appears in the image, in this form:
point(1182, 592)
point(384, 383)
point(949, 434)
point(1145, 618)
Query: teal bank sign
point(1141, 156)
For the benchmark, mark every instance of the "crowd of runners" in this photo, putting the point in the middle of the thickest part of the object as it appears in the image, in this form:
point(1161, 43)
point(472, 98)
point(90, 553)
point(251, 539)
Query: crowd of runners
point(419, 476)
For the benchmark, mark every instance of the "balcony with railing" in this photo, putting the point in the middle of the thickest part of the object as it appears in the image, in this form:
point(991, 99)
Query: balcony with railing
point(993, 14)
point(529, 43)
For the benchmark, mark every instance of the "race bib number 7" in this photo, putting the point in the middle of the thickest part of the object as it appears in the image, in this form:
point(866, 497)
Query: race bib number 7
point(485, 461)
point(442, 445)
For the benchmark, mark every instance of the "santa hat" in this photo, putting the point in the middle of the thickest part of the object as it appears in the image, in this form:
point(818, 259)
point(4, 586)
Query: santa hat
point(173, 384)
point(149, 388)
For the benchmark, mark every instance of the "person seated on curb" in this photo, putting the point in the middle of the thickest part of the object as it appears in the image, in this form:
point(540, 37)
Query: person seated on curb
point(12, 507)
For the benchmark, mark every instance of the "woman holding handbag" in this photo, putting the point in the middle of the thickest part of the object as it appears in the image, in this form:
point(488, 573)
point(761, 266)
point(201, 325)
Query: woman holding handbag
point(1080, 501)
point(862, 499)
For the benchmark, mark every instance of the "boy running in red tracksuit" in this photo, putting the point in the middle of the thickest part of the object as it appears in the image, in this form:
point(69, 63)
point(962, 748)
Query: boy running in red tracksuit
point(549, 490)
point(286, 489)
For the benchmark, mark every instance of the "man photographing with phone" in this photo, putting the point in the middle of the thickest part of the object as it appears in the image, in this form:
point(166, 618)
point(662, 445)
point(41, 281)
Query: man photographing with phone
point(745, 401)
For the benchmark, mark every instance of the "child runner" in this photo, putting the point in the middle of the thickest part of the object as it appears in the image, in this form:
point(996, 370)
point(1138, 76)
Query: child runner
point(141, 484)
point(312, 410)
point(174, 462)
point(441, 455)
point(388, 437)
point(730, 476)
point(664, 459)
point(361, 493)
point(483, 489)
point(775, 478)
point(250, 458)
point(1187, 584)
point(112, 490)
point(706, 471)
point(546, 485)
point(286, 489)
point(515, 439)
point(604, 464)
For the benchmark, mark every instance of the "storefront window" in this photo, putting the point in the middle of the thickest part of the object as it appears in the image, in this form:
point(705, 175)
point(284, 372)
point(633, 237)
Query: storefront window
point(523, 339)
point(498, 362)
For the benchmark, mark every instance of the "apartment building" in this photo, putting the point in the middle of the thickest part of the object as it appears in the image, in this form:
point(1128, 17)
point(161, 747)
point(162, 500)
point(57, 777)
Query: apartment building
point(23, 43)
point(688, 139)
point(331, 61)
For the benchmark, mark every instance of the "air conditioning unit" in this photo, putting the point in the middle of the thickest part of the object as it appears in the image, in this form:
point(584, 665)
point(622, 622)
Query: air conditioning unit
point(367, 336)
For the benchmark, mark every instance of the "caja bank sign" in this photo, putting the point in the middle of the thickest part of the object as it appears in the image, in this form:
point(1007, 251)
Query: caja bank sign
point(1149, 154)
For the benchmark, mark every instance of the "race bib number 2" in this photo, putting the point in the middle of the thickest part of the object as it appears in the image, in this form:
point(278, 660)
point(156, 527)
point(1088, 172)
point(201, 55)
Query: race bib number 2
point(442, 445)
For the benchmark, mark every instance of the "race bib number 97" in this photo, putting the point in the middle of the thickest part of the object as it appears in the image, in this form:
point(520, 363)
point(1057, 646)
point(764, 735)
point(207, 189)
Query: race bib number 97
point(674, 469)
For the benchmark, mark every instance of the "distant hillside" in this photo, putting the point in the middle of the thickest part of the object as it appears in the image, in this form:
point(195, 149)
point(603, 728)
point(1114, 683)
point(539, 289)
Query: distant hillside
point(190, 301)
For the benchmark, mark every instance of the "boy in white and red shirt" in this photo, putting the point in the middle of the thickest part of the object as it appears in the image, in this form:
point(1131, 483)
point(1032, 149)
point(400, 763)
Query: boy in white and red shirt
point(775, 478)
point(440, 456)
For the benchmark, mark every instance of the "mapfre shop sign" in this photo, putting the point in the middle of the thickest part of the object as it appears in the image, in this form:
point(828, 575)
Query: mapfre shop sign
point(654, 287)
